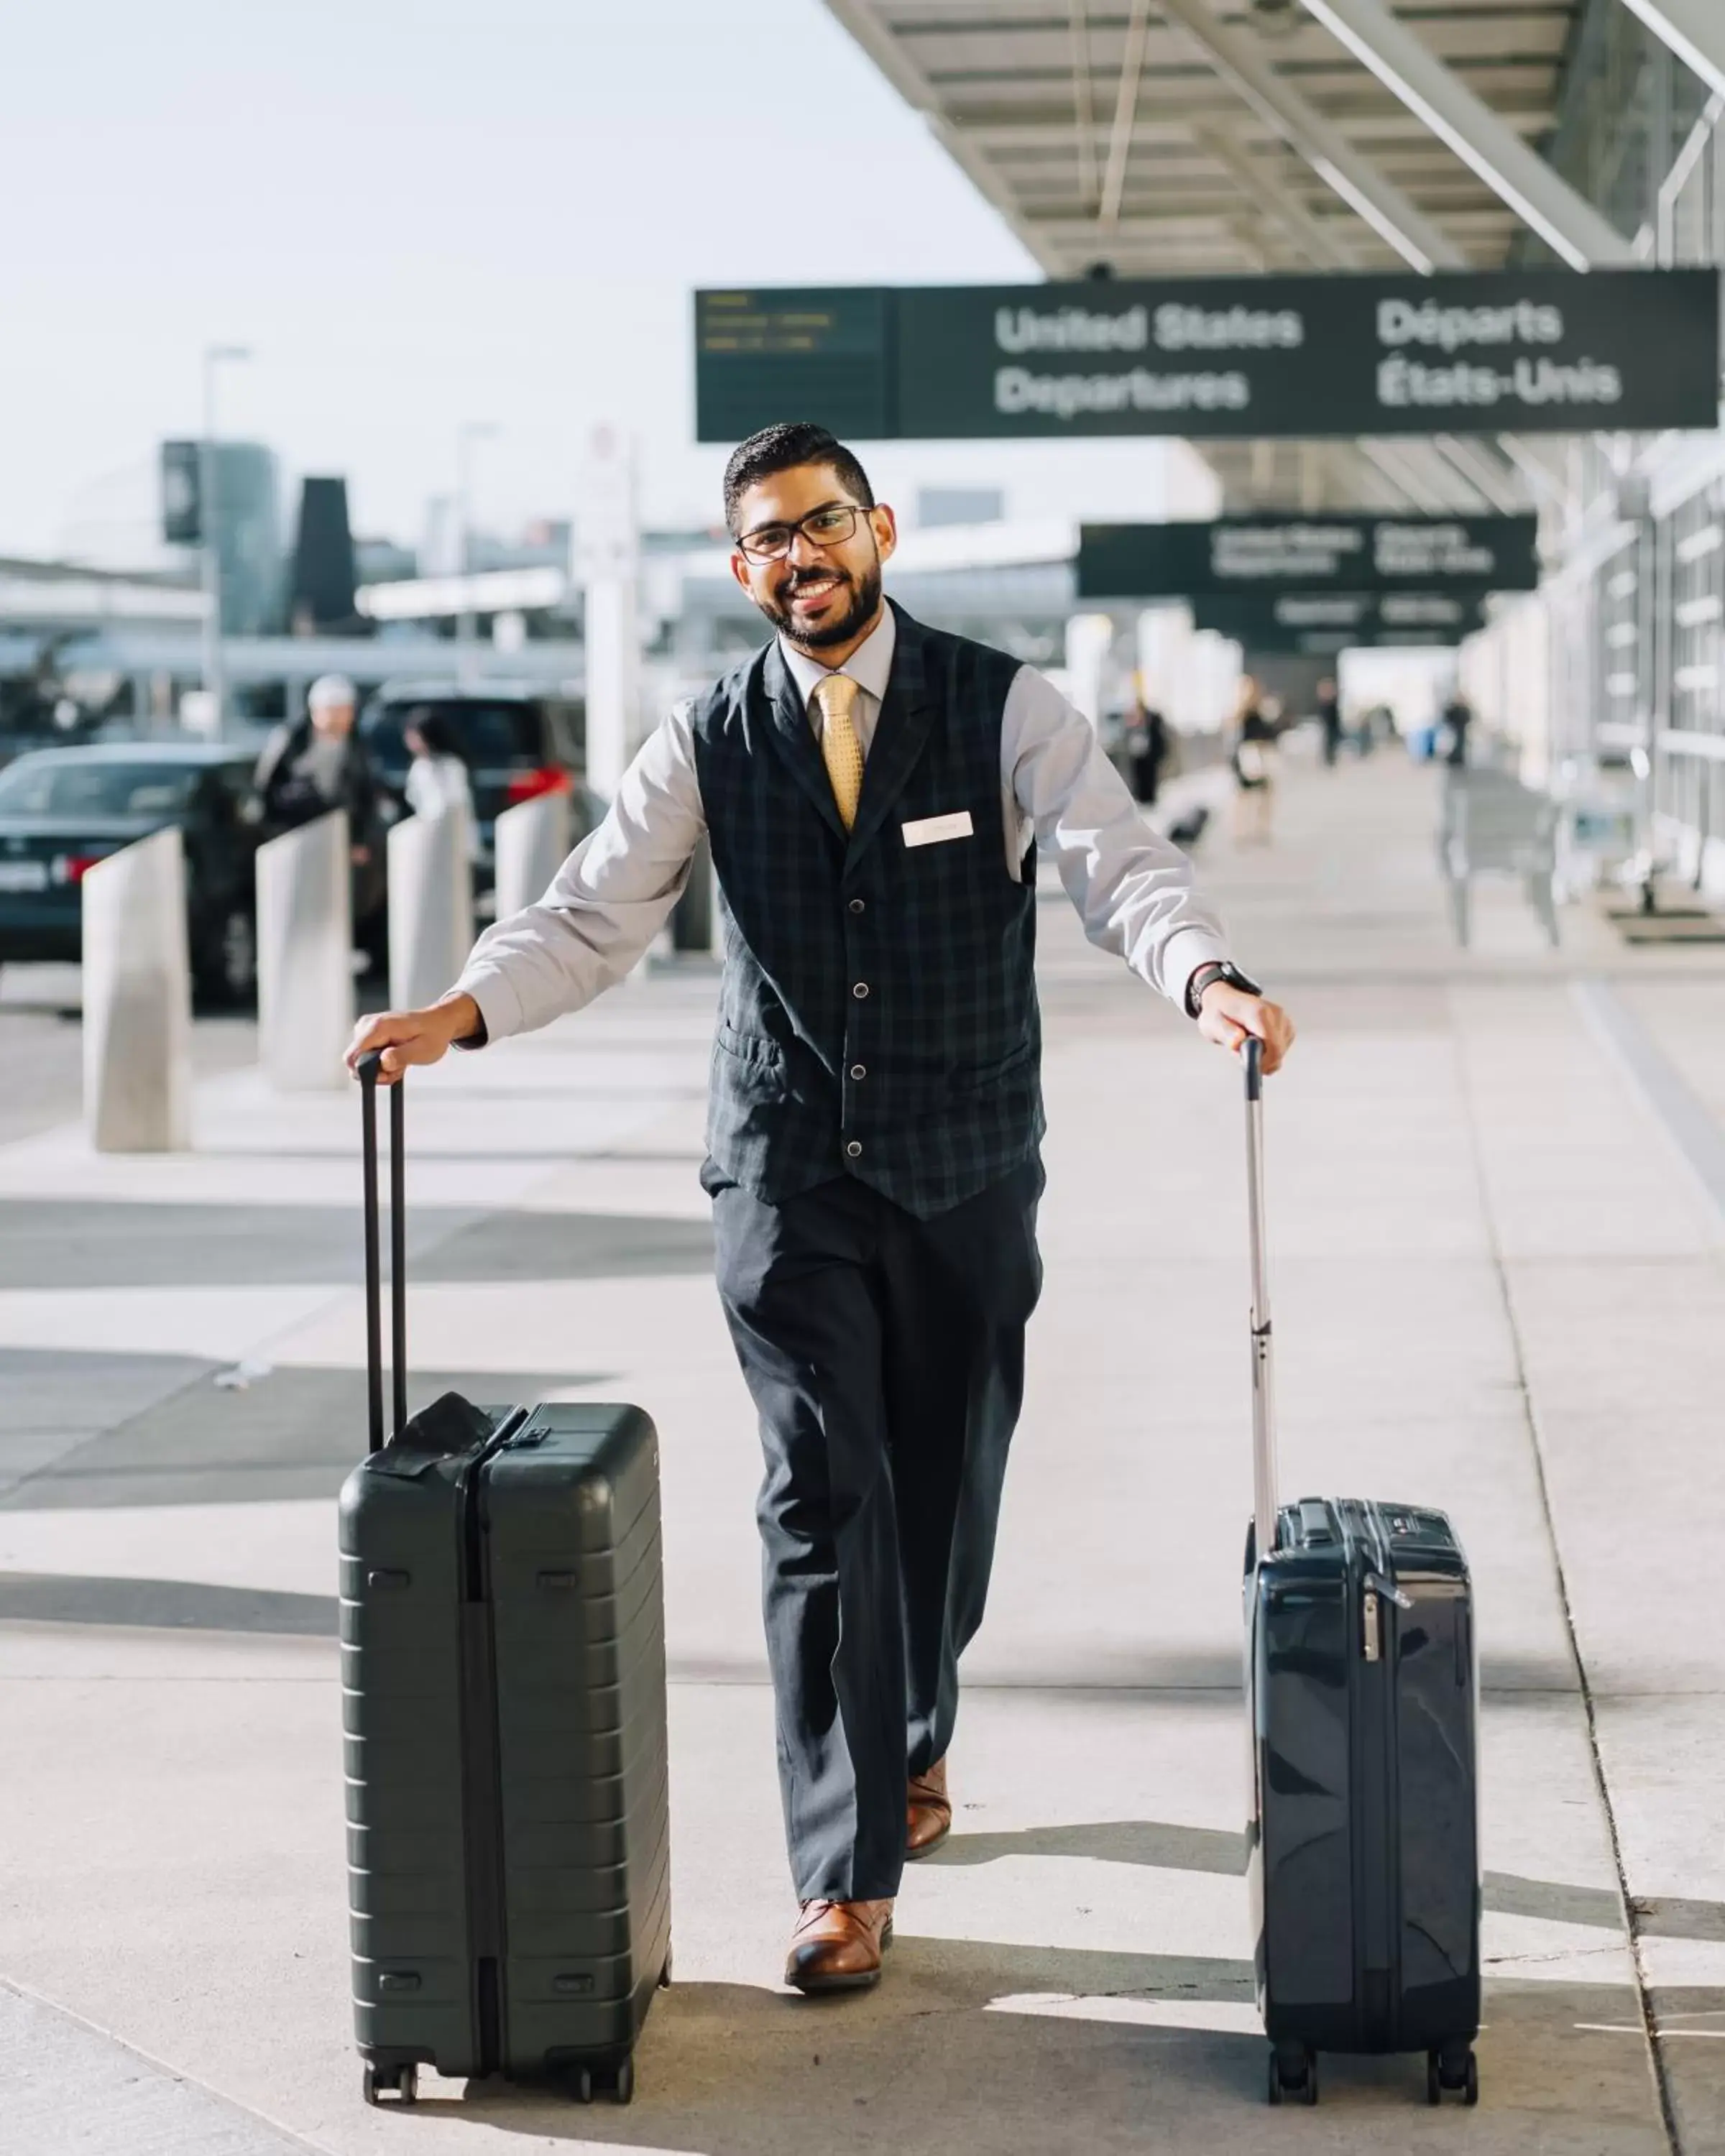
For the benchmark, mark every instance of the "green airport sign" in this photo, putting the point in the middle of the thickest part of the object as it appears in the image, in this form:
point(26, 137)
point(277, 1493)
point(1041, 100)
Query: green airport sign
point(1528, 351)
point(1281, 551)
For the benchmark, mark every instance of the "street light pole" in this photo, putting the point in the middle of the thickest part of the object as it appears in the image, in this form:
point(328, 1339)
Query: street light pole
point(470, 431)
point(215, 685)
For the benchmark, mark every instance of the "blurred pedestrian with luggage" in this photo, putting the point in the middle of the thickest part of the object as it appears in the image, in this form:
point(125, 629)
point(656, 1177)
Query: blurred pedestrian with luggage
point(1147, 747)
point(1329, 720)
point(1458, 717)
point(872, 791)
point(1251, 759)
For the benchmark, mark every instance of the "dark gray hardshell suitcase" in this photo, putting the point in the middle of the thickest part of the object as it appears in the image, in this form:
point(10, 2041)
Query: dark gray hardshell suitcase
point(503, 1706)
point(1363, 1839)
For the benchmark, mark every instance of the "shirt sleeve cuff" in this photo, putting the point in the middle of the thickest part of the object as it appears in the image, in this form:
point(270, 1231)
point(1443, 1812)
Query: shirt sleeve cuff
point(499, 1008)
point(1185, 951)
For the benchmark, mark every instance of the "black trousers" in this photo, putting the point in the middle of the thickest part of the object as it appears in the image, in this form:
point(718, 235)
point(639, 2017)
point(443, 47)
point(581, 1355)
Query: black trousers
point(885, 1355)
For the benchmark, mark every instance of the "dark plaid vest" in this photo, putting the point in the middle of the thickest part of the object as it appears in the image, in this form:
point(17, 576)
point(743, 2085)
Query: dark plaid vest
point(878, 1016)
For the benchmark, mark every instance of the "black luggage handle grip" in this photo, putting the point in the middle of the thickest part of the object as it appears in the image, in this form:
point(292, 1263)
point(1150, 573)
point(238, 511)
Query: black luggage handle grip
point(366, 1070)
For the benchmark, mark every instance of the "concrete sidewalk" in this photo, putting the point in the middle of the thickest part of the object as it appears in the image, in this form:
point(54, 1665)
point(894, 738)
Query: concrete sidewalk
point(1499, 1288)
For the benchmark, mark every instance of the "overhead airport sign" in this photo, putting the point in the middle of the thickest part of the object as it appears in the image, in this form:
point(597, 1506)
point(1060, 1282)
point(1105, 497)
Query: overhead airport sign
point(1290, 553)
point(1322, 622)
point(1534, 350)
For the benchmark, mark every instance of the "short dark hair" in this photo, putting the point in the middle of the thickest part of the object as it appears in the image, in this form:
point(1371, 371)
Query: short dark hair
point(780, 447)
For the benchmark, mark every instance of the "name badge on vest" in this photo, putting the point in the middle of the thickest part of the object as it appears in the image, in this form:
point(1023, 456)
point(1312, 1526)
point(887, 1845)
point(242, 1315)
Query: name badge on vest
point(932, 830)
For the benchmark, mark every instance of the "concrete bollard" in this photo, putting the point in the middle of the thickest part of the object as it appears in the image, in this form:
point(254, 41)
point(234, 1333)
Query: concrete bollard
point(430, 906)
point(305, 955)
point(137, 999)
point(533, 842)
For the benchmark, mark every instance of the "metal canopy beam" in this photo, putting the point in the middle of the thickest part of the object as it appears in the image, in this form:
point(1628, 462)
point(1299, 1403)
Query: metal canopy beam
point(1241, 61)
point(1568, 223)
point(1695, 31)
point(1328, 249)
point(858, 18)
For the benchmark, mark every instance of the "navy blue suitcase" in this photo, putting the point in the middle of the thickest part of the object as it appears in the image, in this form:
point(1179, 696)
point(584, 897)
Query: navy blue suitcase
point(1361, 1680)
point(504, 1711)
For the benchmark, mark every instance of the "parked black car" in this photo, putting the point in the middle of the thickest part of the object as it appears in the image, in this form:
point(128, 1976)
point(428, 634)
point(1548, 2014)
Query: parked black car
point(64, 809)
point(515, 744)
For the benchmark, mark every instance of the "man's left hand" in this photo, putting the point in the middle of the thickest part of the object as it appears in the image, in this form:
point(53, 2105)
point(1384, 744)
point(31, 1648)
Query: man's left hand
point(1227, 1014)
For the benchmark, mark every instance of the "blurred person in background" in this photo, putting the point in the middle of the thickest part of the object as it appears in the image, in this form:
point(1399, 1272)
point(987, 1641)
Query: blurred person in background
point(1251, 759)
point(1457, 718)
point(1147, 745)
point(1329, 718)
point(312, 765)
point(437, 782)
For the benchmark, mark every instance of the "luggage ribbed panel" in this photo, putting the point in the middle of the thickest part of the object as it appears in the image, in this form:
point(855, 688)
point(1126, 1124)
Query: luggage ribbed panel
point(402, 1717)
point(1364, 1851)
point(577, 1583)
point(544, 1830)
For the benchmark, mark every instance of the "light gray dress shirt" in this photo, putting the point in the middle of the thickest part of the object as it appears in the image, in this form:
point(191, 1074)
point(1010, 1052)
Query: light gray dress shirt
point(1133, 890)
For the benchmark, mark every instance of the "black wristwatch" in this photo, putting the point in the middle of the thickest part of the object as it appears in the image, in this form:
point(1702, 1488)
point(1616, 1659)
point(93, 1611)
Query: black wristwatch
point(1215, 969)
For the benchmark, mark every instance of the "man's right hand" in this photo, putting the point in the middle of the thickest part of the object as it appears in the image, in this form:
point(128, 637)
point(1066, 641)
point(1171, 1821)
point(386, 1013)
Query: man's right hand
point(412, 1036)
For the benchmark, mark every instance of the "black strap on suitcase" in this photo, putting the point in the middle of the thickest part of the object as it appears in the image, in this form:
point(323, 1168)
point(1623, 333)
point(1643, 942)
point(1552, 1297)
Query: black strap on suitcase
point(1362, 1689)
point(504, 1706)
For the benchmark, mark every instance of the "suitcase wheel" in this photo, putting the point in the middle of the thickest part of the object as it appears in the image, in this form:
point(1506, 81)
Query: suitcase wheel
point(1293, 2073)
point(1456, 2072)
point(622, 2083)
point(403, 2082)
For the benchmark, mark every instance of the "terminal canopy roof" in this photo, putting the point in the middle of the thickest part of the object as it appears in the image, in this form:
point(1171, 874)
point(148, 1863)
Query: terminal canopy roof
point(1179, 137)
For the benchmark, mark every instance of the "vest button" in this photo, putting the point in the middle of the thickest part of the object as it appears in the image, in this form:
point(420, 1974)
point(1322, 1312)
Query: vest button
point(856, 905)
point(859, 1070)
point(853, 1149)
point(860, 990)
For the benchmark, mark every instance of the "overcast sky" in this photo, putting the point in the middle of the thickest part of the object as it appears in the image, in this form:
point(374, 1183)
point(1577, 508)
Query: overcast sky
point(422, 212)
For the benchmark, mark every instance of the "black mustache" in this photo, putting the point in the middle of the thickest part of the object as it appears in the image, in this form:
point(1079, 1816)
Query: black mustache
point(800, 576)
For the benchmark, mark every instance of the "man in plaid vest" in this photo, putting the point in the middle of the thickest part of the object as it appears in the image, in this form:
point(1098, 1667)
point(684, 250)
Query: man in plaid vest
point(874, 792)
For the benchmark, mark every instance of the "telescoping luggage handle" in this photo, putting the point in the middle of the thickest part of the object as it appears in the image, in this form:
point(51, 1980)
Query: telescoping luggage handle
point(1264, 1501)
point(367, 1069)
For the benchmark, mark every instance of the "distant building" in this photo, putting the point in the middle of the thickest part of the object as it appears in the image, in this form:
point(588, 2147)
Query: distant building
point(249, 548)
point(320, 593)
point(384, 561)
point(960, 504)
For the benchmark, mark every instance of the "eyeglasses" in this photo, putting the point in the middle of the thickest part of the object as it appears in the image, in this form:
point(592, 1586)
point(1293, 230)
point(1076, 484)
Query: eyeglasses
point(830, 527)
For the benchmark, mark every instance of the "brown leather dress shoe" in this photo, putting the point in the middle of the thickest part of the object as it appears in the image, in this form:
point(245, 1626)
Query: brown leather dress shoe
point(837, 1945)
point(928, 1818)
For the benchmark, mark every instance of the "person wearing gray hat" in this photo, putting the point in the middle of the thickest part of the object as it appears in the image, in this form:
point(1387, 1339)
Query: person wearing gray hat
point(319, 762)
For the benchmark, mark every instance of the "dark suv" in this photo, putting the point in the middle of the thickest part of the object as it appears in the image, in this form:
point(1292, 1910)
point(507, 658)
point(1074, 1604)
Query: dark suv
point(515, 744)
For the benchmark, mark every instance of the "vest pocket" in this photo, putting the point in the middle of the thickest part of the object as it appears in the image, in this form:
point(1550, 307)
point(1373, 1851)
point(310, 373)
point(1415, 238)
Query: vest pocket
point(752, 1057)
point(979, 1077)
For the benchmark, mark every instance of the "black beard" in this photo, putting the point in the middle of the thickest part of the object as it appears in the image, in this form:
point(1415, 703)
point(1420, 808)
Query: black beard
point(865, 604)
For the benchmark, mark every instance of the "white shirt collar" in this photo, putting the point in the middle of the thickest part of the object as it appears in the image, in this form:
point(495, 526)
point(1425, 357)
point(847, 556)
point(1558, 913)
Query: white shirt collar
point(869, 665)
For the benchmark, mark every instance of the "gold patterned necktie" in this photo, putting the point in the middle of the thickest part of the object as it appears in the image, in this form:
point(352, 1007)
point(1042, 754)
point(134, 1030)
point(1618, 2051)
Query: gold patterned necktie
point(840, 746)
